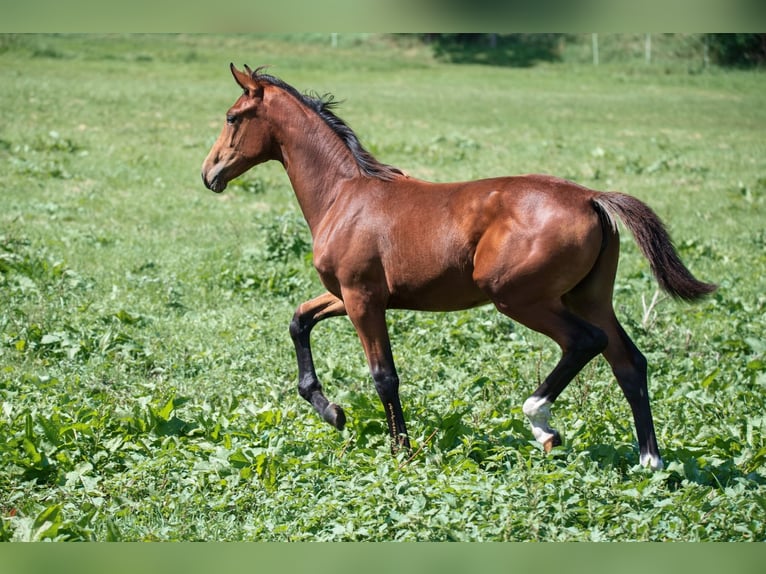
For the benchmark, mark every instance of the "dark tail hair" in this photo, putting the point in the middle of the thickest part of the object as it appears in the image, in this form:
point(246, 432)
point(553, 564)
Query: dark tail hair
point(655, 243)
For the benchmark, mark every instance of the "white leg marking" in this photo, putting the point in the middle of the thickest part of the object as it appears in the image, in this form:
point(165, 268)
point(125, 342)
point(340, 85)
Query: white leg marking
point(538, 411)
point(653, 462)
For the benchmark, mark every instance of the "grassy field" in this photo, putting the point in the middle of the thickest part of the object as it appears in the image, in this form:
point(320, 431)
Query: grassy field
point(147, 379)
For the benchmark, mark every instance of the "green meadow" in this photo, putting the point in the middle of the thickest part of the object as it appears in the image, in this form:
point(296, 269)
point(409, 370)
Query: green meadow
point(148, 386)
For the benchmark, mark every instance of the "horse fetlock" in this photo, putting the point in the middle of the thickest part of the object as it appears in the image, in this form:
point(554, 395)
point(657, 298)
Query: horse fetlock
point(538, 411)
point(653, 461)
point(400, 443)
point(307, 386)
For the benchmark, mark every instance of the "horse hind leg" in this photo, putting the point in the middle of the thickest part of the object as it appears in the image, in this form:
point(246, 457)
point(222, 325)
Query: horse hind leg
point(306, 317)
point(629, 367)
point(592, 300)
point(579, 341)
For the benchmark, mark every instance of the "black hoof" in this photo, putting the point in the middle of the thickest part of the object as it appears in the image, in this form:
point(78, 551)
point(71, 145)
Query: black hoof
point(334, 415)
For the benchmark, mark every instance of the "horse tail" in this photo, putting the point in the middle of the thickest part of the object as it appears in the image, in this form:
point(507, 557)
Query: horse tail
point(654, 242)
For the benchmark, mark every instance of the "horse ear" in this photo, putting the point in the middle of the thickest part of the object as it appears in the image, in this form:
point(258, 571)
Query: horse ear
point(244, 79)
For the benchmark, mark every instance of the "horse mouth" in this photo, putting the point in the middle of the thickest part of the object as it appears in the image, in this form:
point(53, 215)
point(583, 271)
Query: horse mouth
point(217, 184)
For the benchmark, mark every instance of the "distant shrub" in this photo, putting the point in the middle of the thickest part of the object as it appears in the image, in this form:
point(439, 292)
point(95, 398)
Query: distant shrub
point(738, 50)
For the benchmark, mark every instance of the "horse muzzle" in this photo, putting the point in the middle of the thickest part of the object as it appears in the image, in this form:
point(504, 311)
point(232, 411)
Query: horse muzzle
point(213, 175)
point(216, 183)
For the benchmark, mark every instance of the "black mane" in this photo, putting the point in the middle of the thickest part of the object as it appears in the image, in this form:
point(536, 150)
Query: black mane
point(323, 106)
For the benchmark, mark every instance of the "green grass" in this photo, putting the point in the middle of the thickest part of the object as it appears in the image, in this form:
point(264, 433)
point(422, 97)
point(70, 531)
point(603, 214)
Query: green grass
point(147, 380)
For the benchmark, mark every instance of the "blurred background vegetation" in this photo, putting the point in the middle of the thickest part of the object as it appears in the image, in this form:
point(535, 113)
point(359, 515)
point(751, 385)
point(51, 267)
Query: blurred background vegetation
point(694, 52)
point(735, 50)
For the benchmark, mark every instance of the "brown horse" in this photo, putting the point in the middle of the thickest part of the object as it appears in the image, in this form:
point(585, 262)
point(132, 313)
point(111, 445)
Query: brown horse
point(543, 250)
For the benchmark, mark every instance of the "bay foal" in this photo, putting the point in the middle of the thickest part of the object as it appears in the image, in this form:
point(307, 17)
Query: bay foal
point(543, 250)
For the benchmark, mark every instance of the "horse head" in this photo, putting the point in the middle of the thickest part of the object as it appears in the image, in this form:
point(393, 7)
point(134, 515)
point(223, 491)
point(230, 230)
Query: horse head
point(246, 138)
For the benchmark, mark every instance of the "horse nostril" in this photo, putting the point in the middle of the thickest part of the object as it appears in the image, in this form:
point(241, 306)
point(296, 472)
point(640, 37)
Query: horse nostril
point(208, 183)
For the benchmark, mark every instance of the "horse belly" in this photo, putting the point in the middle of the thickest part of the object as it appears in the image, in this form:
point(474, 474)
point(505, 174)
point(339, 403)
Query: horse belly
point(450, 291)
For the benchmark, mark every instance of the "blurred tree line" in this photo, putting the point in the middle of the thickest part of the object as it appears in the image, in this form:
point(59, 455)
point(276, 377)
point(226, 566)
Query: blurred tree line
point(497, 49)
point(522, 50)
point(738, 50)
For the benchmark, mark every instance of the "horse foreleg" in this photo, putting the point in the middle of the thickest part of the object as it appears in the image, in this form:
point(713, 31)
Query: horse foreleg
point(369, 319)
point(306, 316)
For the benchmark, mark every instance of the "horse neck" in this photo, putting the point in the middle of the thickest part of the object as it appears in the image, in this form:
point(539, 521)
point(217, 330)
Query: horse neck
point(317, 162)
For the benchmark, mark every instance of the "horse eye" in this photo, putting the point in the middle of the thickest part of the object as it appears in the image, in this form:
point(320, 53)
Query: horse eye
point(230, 119)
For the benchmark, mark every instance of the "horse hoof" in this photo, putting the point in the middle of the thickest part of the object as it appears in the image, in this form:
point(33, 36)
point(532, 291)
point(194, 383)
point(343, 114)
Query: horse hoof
point(555, 440)
point(334, 415)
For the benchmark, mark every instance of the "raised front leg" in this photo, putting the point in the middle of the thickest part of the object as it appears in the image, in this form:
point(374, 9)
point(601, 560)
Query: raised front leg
point(306, 316)
point(369, 318)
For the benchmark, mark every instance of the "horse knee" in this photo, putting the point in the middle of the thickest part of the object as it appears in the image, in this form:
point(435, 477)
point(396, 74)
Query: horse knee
point(386, 384)
point(297, 326)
